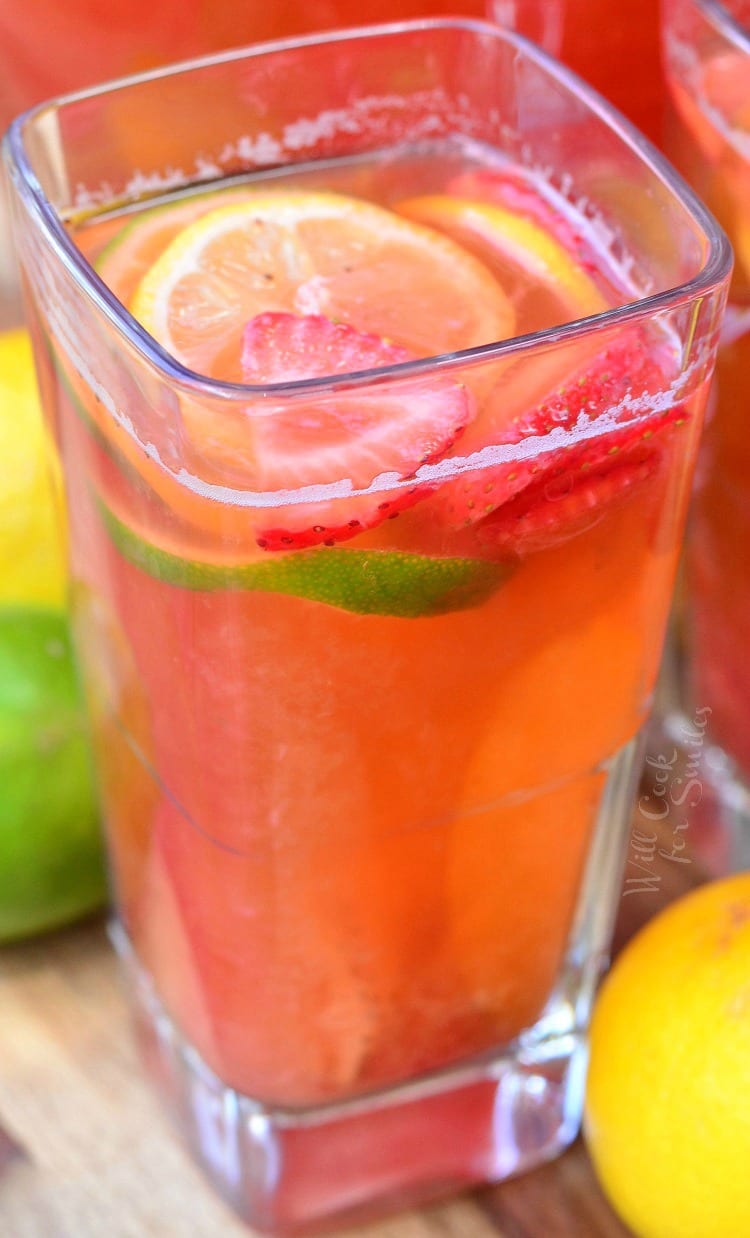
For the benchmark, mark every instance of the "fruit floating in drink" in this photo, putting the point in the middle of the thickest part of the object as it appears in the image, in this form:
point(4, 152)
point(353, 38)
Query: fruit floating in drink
point(376, 471)
point(708, 59)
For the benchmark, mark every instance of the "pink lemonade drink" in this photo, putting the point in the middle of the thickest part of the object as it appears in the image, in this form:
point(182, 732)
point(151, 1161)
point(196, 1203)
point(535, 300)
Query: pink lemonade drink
point(707, 50)
point(377, 409)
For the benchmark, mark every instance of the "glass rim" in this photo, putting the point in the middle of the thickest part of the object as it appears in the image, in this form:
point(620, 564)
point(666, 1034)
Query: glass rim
point(725, 22)
point(716, 267)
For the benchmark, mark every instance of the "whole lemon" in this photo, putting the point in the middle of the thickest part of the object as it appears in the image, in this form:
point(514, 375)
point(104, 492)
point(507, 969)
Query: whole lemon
point(667, 1118)
point(32, 564)
point(51, 867)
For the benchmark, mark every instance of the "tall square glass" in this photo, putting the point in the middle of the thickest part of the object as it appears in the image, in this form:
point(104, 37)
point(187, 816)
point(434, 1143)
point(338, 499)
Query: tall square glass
point(707, 62)
point(366, 837)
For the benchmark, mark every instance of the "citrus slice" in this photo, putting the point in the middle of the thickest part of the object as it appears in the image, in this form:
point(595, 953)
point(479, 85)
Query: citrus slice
point(547, 283)
point(516, 191)
point(316, 254)
point(133, 250)
point(365, 582)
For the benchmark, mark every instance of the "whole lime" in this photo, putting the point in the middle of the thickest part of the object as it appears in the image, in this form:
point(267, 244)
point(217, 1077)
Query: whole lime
point(51, 868)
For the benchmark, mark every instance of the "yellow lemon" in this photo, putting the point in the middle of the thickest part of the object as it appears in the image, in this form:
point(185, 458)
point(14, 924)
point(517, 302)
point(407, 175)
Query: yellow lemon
point(51, 868)
point(667, 1117)
point(515, 248)
point(316, 253)
point(32, 565)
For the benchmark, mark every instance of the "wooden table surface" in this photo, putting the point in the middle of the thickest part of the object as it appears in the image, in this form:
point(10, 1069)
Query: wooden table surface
point(86, 1153)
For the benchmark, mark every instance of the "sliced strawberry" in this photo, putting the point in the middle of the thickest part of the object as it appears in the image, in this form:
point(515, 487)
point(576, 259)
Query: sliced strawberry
point(357, 443)
point(603, 391)
point(555, 509)
point(286, 348)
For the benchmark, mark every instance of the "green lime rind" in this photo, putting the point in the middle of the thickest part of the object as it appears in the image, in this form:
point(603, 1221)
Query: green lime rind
point(126, 246)
point(118, 251)
point(372, 582)
point(365, 582)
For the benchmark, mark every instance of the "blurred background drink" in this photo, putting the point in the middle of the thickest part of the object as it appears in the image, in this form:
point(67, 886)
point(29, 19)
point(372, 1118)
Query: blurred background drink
point(707, 61)
point(615, 48)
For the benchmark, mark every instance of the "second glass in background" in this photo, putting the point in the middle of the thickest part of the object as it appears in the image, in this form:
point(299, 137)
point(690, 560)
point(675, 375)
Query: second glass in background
point(707, 61)
point(617, 51)
point(614, 48)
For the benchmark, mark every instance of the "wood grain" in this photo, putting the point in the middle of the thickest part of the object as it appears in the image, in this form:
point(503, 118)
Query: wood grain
point(86, 1153)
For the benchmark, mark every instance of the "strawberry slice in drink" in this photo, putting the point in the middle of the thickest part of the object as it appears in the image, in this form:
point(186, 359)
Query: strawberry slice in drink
point(374, 290)
point(357, 434)
point(610, 393)
point(556, 508)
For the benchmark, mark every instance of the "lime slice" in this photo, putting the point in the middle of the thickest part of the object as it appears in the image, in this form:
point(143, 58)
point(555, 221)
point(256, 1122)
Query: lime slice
point(366, 582)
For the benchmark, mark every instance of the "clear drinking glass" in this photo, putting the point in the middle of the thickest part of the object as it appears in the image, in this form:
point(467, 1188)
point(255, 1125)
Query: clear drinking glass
point(707, 61)
point(366, 802)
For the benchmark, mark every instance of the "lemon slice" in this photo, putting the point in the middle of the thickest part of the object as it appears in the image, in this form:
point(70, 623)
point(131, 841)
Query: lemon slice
point(532, 265)
point(316, 254)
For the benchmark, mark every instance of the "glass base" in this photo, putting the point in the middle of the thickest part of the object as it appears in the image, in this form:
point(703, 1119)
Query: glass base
point(482, 1120)
point(289, 1172)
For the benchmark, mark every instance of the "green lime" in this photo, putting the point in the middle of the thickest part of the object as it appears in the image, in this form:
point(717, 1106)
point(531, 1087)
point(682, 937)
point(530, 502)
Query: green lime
point(51, 868)
point(367, 582)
